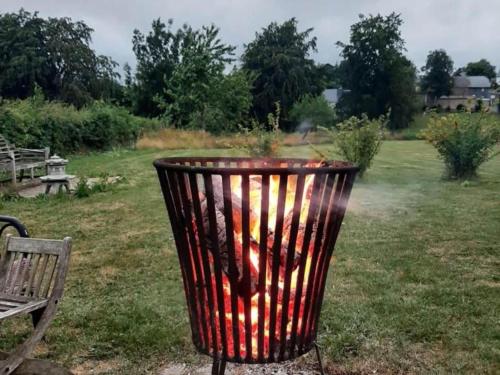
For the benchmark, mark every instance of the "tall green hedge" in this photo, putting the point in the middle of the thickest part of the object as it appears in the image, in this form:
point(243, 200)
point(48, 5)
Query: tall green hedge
point(36, 123)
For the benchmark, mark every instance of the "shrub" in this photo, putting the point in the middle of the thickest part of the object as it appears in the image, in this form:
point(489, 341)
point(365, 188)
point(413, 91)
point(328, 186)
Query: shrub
point(464, 141)
point(105, 126)
point(313, 110)
point(358, 140)
point(35, 123)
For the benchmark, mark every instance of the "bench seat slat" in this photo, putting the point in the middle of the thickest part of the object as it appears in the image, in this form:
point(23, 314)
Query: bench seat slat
point(10, 303)
point(14, 298)
point(8, 308)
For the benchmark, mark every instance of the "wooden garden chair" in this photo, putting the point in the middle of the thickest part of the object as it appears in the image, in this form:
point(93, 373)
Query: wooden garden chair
point(32, 274)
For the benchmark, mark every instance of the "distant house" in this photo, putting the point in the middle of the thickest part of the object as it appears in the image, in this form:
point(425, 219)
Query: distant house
point(478, 87)
point(467, 91)
point(332, 96)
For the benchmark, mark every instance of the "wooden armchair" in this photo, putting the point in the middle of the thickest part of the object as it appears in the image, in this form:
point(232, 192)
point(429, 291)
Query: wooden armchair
point(32, 275)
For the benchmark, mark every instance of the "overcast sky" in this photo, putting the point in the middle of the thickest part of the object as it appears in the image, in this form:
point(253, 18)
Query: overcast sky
point(467, 29)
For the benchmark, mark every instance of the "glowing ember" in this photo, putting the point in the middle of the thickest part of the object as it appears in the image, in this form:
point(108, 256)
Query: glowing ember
point(255, 228)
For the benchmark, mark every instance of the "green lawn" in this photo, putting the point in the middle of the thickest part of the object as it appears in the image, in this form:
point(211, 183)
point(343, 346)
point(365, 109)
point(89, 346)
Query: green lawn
point(414, 287)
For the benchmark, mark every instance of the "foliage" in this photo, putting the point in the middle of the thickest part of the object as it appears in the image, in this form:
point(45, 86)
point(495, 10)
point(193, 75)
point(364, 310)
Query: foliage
point(481, 68)
point(35, 123)
point(85, 189)
point(437, 80)
point(464, 141)
point(82, 189)
point(358, 140)
point(379, 76)
point(176, 70)
point(279, 56)
point(181, 76)
point(331, 74)
point(263, 140)
point(54, 54)
point(156, 55)
point(311, 112)
point(231, 95)
point(223, 107)
point(202, 63)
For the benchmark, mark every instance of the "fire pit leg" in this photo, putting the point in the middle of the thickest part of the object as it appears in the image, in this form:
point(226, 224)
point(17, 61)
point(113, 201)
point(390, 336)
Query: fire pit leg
point(219, 367)
point(320, 362)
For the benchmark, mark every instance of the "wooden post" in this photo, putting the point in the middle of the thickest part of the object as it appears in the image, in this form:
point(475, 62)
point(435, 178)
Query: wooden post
point(13, 167)
point(47, 156)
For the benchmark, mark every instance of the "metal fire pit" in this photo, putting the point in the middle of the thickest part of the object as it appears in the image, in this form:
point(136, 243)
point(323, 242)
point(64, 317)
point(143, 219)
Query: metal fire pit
point(254, 239)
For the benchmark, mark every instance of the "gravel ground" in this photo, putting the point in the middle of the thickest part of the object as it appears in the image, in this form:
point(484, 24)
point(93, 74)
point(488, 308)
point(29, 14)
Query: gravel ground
point(301, 366)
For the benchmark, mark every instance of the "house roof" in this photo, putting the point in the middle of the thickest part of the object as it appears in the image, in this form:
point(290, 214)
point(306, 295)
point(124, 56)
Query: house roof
point(331, 95)
point(472, 82)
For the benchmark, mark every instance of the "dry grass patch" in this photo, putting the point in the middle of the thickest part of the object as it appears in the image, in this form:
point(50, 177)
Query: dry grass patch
point(176, 139)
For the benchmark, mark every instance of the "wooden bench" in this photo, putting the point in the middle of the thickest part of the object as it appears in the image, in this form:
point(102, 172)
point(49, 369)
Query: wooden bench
point(14, 159)
point(32, 275)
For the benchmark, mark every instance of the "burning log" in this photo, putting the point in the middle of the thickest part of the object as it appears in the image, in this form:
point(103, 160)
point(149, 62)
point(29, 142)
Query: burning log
point(237, 215)
point(255, 185)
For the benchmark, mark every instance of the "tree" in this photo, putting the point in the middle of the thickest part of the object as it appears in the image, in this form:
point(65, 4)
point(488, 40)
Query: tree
point(232, 95)
point(201, 65)
point(169, 62)
point(279, 57)
point(332, 75)
point(380, 78)
point(157, 55)
point(481, 68)
point(227, 105)
point(437, 80)
point(311, 112)
point(55, 55)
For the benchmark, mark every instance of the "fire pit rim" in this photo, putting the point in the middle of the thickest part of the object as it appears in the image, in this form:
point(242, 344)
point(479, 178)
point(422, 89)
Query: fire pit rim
point(330, 165)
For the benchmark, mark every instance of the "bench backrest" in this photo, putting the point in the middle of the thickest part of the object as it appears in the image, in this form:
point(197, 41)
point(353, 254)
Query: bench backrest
point(4, 145)
point(5, 156)
point(34, 268)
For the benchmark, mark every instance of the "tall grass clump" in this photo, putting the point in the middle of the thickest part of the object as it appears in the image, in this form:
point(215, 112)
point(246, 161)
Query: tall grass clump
point(261, 140)
point(464, 141)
